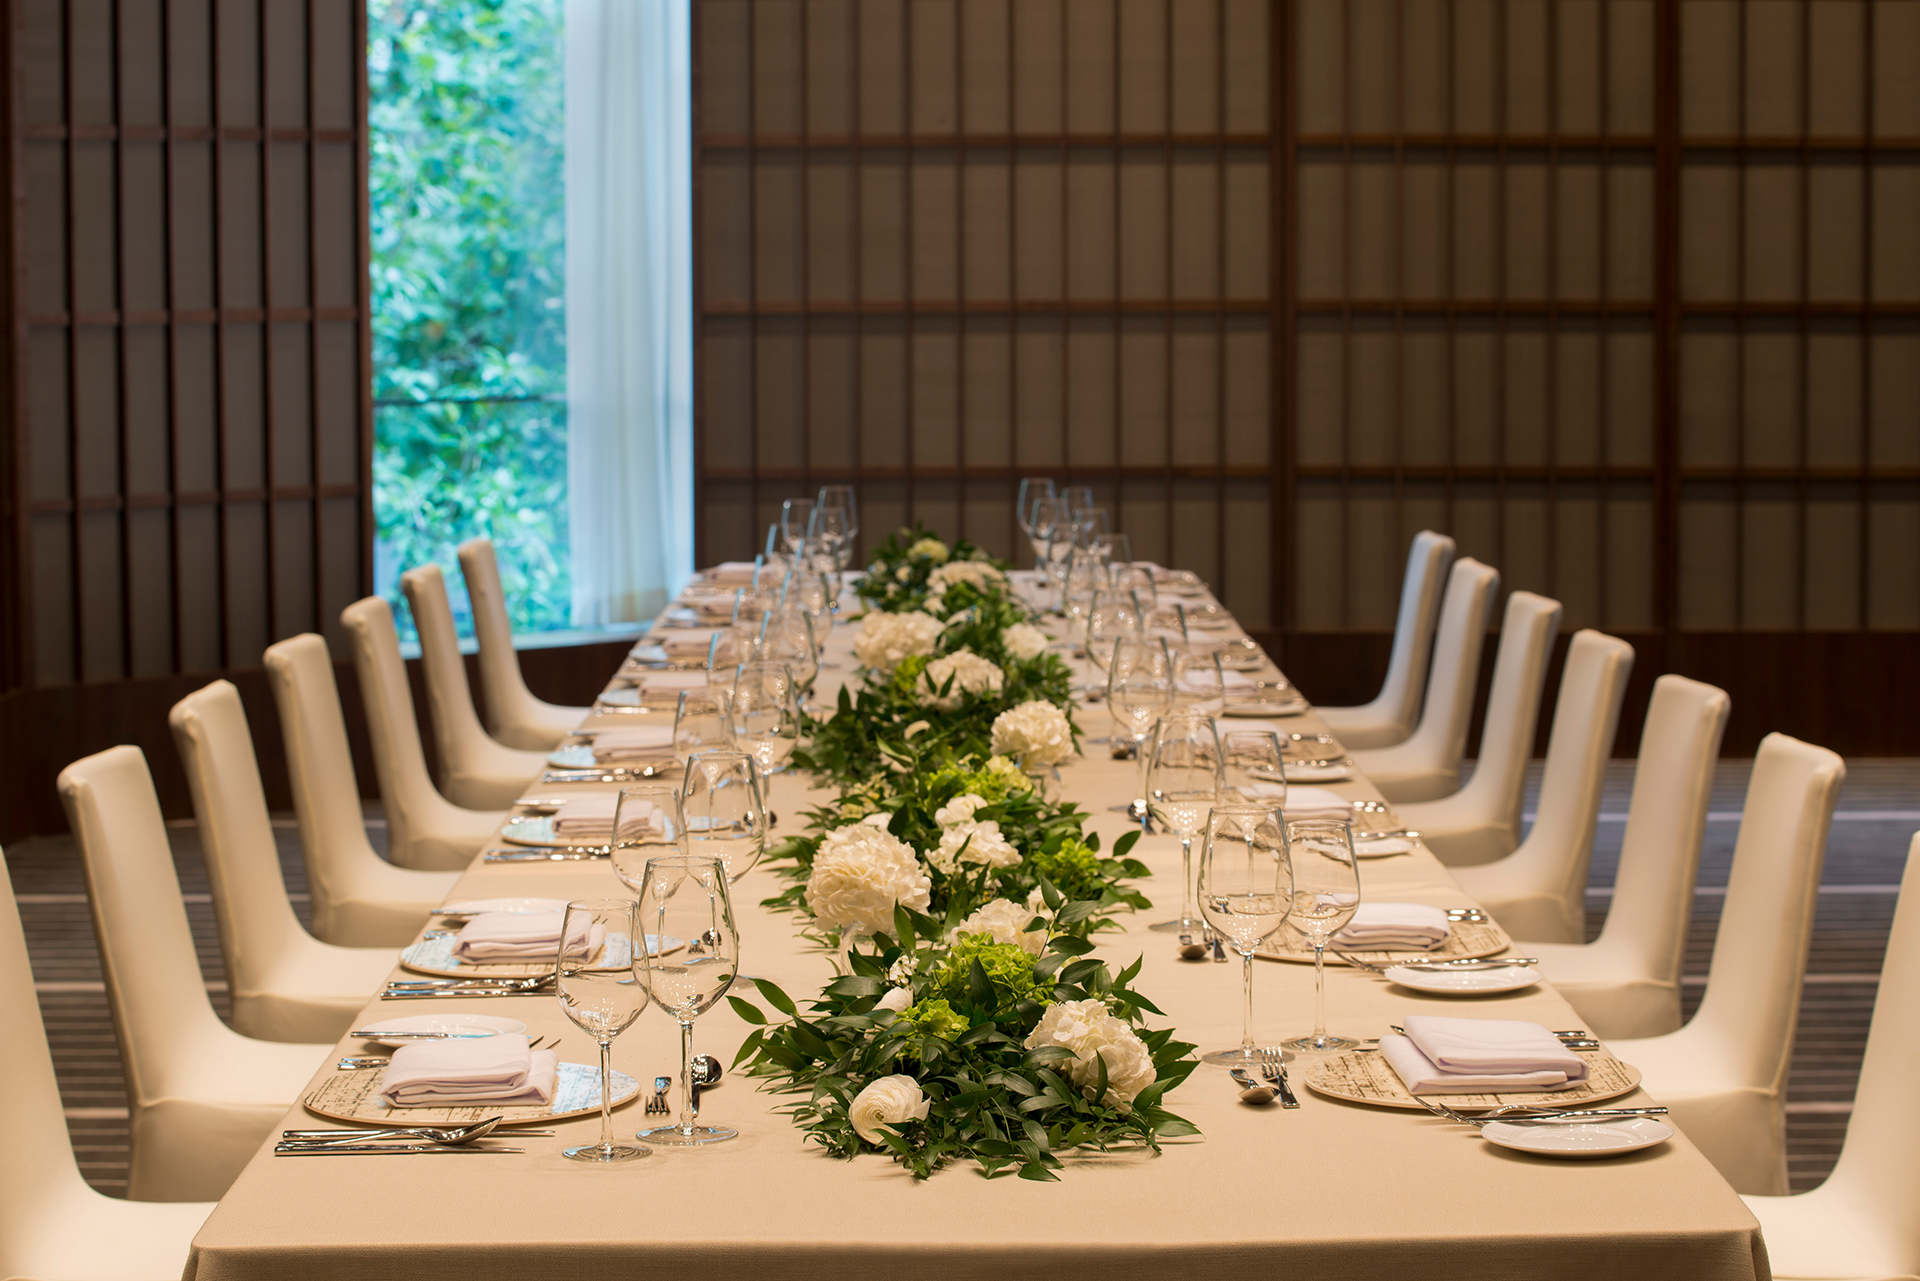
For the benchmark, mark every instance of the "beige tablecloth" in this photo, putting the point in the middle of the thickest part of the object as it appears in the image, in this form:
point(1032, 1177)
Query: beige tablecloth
point(1333, 1189)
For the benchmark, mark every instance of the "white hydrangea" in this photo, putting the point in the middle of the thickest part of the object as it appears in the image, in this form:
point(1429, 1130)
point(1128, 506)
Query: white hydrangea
point(1007, 922)
point(979, 573)
point(1036, 732)
point(959, 810)
point(1025, 641)
point(985, 847)
point(1091, 1031)
point(971, 674)
point(859, 874)
point(929, 549)
point(885, 640)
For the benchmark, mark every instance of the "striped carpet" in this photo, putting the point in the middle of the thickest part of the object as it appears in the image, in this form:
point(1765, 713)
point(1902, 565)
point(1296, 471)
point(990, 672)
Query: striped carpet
point(1879, 811)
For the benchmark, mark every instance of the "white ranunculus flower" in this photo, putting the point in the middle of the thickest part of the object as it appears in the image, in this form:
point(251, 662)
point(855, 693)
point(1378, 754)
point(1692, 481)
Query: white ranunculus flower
point(859, 873)
point(1036, 732)
point(929, 549)
point(971, 674)
point(978, 573)
point(985, 847)
point(887, 1101)
point(880, 820)
point(959, 810)
point(896, 999)
point(1007, 922)
point(886, 639)
point(1090, 1030)
point(1025, 641)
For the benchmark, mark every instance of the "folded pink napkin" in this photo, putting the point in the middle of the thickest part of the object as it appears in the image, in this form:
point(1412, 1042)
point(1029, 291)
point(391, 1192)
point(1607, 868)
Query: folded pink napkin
point(1315, 802)
point(494, 1069)
point(1480, 1056)
point(731, 571)
point(634, 743)
point(522, 936)
point(661, 682)
point(689, 642)
point(1395, 927)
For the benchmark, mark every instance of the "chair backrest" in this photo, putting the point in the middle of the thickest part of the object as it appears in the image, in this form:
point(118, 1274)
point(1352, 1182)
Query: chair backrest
point(500, 679)
point(1513, 705)
point(406, 789)
point(1406, 680)
point(1752, 1002)
point(1666, 821)
point(1441, 735)
point(39, 1164)
point(326, 796)
point(152, 971)
point(236, 833)
point(1586, 715)
point(450, 698)
point(1879, 1166)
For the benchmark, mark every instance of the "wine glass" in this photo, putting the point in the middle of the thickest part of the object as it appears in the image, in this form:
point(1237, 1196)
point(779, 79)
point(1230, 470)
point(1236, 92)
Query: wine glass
point(1085, 574)
point(1182, 782)
point(1090, 525)
point(1254, 765)
point(841, 498)
point(726, 818)
point(1078, 498)
point(1139, 693)
point(795, 513)
point(749, 611)
point(1131, 576)
point(598, 977)
point(702, 720)
point(686, 897)
point(1032, 488)
point(1111, 616)
point(766, 721)
point(1198, 681)
point(1047, 515)
point(1326, 893)
point(647, 824)
point(1246, 887)
point(786, 636)
point(807, 589)
point(1114, 549)
point(1059, 553)
point(827, 531)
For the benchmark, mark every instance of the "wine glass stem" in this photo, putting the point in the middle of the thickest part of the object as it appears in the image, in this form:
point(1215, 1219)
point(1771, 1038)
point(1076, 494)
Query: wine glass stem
point(606, 1095)
point(1319, 992)
point(687, 1113)
point(1246, 1009)
point(1187, 918)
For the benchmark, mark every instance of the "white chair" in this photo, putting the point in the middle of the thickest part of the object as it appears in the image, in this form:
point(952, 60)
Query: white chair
point(1861, 1222)
point(1390, 717)
point(1539, 891)
point(1427, 766)
point(201, 1098)
point(514, 716)
point(475, 771)
point(52, 1225)
point(359, 899)
point(1724, 1074)
point(1481, 821)
point(424, 829)
point(286, 984)
point(1627, 981)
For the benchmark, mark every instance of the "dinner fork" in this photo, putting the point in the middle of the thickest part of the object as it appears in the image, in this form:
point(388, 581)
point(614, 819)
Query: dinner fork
point(1274, 1069)
point(1536, 1115)
point(1417, 963)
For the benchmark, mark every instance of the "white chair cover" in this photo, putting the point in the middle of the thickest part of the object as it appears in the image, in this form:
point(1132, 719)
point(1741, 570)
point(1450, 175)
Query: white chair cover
point(1481, 821)
point(201, 1098)
point(1427, 766)
point(359, 899)
point(52, 1225)
point(1390, 717)
point(514, 716)
point(1724, 1074)
point(286, 984)
point(1627, 981)
point(475, 771)
point(424, 829)
point(1540, 890)
point(1861, 1222)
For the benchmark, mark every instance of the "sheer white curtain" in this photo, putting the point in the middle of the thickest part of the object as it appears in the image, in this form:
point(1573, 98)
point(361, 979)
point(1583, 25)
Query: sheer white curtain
point(629, 306)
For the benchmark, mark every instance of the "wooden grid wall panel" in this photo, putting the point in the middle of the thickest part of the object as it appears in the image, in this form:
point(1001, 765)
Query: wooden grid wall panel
point(948, 243)
point(191, 467)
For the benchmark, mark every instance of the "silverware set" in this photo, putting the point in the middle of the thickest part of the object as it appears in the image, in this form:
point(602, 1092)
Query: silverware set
point(1572, 1038)
point(422, 989)
point(548, 853)
point(386, 1141)
point(1466, 963)
point(1544, 1116)
point(353, 1062)
point(657, 1103)
point(1273, 1069)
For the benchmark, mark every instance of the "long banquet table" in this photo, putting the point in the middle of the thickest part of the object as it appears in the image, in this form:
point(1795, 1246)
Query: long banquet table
point(1332, 1189)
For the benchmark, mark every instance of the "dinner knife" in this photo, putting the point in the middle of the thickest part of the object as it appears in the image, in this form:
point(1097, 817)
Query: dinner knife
point(379, 1149)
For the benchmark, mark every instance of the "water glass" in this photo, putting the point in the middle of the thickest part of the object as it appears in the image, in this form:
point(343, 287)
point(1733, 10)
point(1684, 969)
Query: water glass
point(1111, 617)
point(1078, 498)
point(647, 823)
point(686, 898)
point(599, 979)
point(1326, 894)
point(1246, 888)
point(1183, 780)
point(1254, 765)
point(1139, 692)
point(1086, 574)
point(1032, 489)
point(766, 721)
point(795, 514)
point(1198, 681)
point(841, 498)
point(1045, 517)
point(726, 818)
point(786, 636)
point(702, 721)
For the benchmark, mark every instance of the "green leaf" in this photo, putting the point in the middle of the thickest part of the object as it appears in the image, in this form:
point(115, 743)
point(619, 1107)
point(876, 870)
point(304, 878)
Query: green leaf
point(749, 1047)
point(1047, 1054)
point(980, 988)
point(850, 985)
point(751, 1013)
point(1126, 843)
point(1051, 893)
point(1070, 944)
point(1038, 1173)
point(776, 998)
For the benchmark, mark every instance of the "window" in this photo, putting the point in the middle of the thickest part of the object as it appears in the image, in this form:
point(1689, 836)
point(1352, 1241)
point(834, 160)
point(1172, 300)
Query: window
point(466, 103)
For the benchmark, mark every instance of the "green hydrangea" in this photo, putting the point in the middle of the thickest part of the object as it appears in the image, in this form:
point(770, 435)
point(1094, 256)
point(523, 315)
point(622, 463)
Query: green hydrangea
point(993, 782)
point(935, 1018)
point(907, 674)
point(1073, 868)
point(1008, 967)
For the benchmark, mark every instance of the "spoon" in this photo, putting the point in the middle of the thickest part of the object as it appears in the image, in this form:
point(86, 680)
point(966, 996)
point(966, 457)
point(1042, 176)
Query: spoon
point(1190, 950)
point(1251, 1092)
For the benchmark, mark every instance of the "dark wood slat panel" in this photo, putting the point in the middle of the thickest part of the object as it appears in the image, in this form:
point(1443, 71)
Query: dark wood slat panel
point(189, 316)
point(963, 141)
point(54, 132)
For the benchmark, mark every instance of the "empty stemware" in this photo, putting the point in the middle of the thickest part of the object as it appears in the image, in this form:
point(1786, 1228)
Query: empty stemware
point(1246, 888)
point(702, 721)
point(1254, 765)
point(686, 897)
point(648, 823)
point(1199, 682)
point(766, 721)
point(1326, 893)
point(1182, 774)
point(786, 636)
point(1112, 616)
point(1139, 692)
point(795, 514)
point(725, 816)
point(597, 978)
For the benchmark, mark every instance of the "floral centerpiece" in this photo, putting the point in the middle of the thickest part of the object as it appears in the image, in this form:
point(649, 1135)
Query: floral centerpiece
point(993, 1039)
point(913, 567)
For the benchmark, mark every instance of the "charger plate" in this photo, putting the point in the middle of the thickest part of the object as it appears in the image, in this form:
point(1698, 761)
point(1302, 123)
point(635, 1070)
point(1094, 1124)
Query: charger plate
point(1467, 940)
point(1369, 1078)
point(354, 1095)
point(435, 956)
